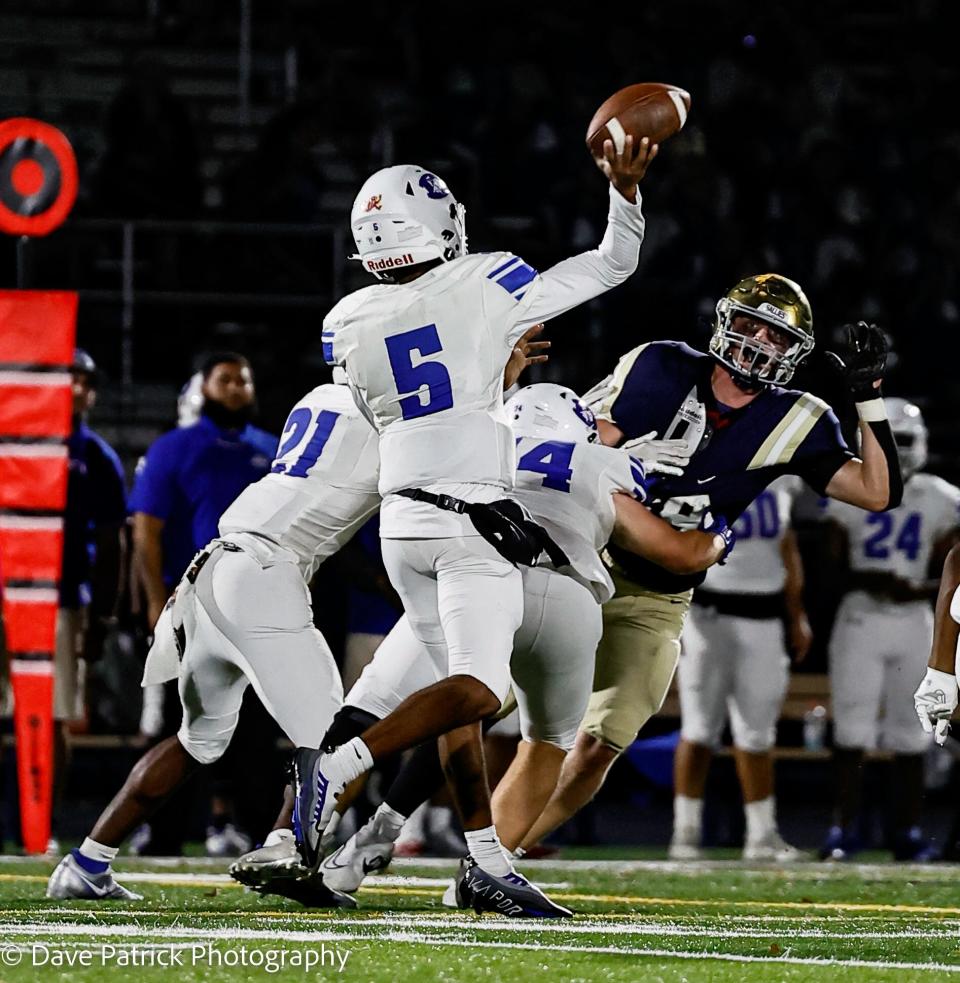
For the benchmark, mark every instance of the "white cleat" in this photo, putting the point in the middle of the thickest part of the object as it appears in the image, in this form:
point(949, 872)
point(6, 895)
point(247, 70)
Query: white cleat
point(277, 861)
point(772, 848)
point(685, 844)
point(70, 881)
point(226, 842)
point(367, 851)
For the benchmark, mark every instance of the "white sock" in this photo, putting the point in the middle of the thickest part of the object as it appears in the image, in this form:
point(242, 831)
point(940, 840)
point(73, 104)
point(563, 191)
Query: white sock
point(385, 824)
point(415, 826)
point(97, 851)
point(484, 846)
point(439, 818)
point(761, 818)
point(687, 812)
point(349, 761)
point(276, 836)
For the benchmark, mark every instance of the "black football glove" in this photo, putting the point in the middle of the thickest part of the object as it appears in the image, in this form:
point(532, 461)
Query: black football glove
point(862, 359)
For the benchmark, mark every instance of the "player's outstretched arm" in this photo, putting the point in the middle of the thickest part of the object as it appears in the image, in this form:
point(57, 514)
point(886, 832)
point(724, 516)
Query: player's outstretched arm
point(936, 697)
point(638, 530)
point(875, 482)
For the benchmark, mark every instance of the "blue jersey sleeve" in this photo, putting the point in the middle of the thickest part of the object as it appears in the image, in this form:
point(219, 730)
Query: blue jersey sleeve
point(155, 485)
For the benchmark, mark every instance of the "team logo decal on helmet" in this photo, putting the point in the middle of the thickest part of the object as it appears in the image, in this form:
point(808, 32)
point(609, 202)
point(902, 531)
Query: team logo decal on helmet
point(405, 215)
point(434, 187)
point(770, 357)
point(552, 412)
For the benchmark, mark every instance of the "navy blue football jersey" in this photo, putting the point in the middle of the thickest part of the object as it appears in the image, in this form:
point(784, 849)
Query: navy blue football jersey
point(664, 386)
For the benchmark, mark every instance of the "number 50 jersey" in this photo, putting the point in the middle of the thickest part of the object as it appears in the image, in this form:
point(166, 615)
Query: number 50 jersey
point(426, 360)
point(323, 483)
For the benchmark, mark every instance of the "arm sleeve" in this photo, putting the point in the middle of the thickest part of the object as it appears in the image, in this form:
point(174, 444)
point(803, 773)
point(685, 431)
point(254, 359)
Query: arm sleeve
point(154, 487)
point(581, 278)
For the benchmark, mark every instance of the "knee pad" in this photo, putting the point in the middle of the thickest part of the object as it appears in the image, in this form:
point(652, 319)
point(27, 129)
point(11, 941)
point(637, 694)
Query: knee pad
point(853, 733)
point(753, 741)
point(349, 722)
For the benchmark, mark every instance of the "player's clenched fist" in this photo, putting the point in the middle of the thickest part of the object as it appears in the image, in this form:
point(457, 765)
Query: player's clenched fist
point(935, 700)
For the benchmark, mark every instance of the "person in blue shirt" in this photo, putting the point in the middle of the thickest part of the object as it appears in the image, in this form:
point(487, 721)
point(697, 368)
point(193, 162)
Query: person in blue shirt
point(190, 475)
point(183, 485)
point(93, 550)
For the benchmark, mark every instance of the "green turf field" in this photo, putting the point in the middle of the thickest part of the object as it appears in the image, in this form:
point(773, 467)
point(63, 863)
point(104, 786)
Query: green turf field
point(636, 921)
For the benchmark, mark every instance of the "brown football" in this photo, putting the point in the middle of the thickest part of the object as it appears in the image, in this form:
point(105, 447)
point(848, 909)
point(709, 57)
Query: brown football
point(649, 109)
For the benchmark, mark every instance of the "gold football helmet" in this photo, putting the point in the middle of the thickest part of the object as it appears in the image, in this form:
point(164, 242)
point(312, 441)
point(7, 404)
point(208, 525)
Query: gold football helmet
point(778, 302)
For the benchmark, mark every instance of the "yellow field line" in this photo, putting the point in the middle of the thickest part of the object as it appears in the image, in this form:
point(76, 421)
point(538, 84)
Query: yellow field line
point(568, 896)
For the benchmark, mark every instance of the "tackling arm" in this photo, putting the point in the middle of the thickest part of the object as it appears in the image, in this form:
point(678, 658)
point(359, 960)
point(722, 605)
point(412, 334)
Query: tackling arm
point(637, 529)
point(873, 483)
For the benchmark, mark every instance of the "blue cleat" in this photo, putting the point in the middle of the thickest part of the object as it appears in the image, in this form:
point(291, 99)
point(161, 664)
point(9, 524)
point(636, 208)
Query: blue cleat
point(315, 798)
point(512, 895)
point(911, 845)
point(840, 844)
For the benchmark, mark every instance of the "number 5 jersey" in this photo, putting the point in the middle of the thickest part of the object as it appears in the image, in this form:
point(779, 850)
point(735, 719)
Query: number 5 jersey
point(426, 358)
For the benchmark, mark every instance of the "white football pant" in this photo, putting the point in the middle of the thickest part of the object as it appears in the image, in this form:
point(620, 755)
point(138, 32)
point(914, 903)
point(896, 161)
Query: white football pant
point(878, 651)
point(463, 601)
point(249, 624)
point(552, 664)
point(732, 665)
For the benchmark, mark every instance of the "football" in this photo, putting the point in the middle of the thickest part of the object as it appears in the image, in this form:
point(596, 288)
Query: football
point(649, 109)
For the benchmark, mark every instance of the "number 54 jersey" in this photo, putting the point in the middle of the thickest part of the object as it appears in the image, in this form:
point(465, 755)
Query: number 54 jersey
point(323, 483)
point(900, 541)
point(569, 489)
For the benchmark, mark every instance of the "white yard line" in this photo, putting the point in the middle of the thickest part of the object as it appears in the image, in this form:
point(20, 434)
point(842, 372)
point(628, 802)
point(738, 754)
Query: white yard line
point(523, 927)
point(225, 880)
point(417, 937)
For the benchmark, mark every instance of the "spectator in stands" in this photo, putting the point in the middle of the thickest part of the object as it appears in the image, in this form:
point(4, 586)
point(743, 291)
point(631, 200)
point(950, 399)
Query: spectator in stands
point(93, 551)
point(187, 479)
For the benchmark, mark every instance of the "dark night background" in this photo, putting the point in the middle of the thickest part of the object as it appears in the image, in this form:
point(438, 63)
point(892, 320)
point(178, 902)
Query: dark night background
point(823, 143)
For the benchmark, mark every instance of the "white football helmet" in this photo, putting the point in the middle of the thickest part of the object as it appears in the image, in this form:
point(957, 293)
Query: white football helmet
point(552, 412)
point(909, 432)
point(190, 401)
point(405, 215)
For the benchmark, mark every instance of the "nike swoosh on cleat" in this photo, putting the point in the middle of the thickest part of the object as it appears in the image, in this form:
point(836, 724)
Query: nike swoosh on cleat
point(369, 866)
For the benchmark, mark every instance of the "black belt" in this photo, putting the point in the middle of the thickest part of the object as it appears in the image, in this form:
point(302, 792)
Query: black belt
point(758, 606)
point(503, 524)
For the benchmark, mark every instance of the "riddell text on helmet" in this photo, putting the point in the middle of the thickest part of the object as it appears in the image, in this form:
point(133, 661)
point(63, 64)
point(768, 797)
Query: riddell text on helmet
point(384, 264)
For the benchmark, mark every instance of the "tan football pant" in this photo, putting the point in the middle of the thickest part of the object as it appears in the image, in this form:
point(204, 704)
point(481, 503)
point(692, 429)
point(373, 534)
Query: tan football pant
point(636, 660)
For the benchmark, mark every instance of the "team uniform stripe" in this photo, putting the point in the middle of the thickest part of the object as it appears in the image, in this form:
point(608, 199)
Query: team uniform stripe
point(517, 278)
point(616, 383)
point(512, 261)
point(783, 441)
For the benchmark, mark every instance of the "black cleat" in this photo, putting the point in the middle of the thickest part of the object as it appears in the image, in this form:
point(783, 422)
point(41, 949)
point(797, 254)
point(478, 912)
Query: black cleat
point(310, 891)
point(512, 895)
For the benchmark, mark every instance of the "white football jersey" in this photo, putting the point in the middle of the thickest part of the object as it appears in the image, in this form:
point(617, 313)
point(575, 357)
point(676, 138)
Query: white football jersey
point(568, 488)
point(323, 484)
point(900, 541)
point(756, 565)
point(426, 360)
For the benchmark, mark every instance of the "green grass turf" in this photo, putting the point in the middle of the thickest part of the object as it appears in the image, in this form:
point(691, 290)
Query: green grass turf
point(635, 921)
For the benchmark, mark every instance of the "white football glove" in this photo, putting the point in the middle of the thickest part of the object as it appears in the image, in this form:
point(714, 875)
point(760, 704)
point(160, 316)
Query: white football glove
point(935, 700)
point(659, 456)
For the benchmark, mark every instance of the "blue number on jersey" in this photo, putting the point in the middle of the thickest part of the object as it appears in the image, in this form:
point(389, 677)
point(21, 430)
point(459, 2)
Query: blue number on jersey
point(907, 541)
point(764, 509)
point(412, 378)
point(552, 460)
point(298, 422)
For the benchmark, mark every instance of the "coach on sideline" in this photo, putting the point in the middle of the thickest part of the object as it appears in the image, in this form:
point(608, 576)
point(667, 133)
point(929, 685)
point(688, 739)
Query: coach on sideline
point(184, 484)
